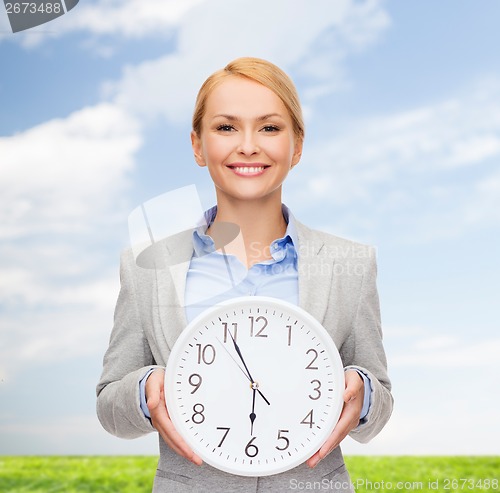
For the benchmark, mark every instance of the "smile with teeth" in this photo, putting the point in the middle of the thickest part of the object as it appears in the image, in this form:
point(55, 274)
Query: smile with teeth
point(247, 170)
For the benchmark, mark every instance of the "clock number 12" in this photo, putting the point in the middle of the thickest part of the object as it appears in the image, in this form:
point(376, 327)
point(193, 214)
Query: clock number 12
point(257, 320)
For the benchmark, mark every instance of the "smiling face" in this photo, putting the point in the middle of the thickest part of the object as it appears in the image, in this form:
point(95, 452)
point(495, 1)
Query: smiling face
point(247, 141)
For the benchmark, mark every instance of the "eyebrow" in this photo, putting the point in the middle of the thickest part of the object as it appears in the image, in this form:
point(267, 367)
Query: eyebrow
point(233, 118)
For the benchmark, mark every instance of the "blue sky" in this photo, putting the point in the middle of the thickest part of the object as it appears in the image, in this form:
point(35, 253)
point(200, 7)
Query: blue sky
point(402, 106)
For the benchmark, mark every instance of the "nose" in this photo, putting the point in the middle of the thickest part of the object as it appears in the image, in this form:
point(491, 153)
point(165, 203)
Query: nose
point(248, 144)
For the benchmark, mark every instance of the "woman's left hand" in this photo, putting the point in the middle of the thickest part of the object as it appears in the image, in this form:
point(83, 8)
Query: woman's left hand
point(349, 418)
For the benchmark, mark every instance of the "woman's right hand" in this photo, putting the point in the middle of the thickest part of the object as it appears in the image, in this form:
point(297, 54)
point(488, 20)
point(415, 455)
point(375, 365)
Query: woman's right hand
point(155, 398)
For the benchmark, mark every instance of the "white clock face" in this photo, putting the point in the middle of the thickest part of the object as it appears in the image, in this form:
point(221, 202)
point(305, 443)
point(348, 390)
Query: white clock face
point(254, 385)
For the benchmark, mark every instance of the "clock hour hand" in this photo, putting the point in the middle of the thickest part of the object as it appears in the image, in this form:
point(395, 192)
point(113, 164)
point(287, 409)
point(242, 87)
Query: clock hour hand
point(252, 381)
point(252, 414)
point(262, 395)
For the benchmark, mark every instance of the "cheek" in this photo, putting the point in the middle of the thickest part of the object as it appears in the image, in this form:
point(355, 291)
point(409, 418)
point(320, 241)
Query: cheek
point(216, 149)
point(282, 150)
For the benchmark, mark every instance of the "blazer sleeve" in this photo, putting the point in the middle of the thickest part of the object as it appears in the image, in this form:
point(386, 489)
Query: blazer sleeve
point(126, 361)
point(363, 350)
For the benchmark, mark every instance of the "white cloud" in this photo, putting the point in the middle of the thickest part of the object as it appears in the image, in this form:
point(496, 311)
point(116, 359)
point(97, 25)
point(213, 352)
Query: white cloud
point(474, 149)
point(123, 18)
point(56, 319)
point(427, 172)
point(61, 171)
point(483, 207)
point(310, 40)
point(130, 18)
point(443, 402)
point(446, 428)
point(449, 352)
point(61, 184)
point(235, 24)
point(445, 348)
point(426, 140)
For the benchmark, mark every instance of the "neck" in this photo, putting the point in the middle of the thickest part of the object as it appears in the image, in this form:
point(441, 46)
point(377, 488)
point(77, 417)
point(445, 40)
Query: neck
point(260, 222)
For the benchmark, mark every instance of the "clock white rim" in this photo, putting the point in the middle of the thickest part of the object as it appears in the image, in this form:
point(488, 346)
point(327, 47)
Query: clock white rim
point(186, 334)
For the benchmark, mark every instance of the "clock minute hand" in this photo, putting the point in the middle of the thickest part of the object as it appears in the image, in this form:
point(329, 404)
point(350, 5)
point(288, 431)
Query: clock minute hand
point(241, 357)
point(237, 348)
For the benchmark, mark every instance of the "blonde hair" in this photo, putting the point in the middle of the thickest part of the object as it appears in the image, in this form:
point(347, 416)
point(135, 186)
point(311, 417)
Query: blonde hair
point(263, 72)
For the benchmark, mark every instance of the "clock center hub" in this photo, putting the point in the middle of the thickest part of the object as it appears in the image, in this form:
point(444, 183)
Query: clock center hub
point(254, 385)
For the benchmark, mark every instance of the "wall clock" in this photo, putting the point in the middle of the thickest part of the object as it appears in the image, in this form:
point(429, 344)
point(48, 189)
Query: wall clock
point(254, 385)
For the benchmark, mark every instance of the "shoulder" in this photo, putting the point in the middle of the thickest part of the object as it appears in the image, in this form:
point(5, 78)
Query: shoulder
point(166, 252)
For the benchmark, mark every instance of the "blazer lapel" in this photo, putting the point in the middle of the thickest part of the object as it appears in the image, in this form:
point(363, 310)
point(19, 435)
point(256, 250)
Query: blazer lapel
point(174, 258)
point(315, 272)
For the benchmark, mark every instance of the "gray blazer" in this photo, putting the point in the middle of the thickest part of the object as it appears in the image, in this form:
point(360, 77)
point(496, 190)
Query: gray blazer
point(337, 285)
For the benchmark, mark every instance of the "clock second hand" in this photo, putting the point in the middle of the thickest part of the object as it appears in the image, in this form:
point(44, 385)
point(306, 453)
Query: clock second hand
point(247, 373)
point(232, 357)
point(252, 381)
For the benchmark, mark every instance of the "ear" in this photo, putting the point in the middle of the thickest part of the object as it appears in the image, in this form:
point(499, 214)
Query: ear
point(297, 154)
point(197, 148)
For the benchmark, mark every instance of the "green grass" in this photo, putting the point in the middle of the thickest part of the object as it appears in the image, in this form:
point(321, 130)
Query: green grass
point(425, 474)
point(135, 474)
point(70, 474)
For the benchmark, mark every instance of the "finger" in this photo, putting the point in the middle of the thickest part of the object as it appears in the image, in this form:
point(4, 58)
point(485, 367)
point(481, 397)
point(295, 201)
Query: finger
point(172, 438)
point(161, 419)
point(314, 460)
point(345, 424)
point(354, 385)
point(333, 440)
point(340, 431)
point(177, 443)
point(154, 389)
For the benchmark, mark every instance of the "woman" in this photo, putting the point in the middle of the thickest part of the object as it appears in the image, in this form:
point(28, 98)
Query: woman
point(248, 131)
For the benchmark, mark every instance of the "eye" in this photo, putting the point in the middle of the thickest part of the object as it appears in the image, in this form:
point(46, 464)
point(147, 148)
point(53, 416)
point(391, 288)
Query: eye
point(271, 128)
point(225, 128)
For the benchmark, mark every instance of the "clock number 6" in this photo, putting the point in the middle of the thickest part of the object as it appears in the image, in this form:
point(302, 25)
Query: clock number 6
point(281, 437)
point(251, 450)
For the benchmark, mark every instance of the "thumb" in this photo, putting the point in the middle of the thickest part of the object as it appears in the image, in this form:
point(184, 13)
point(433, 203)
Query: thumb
point(153, 391)
point(351, 386)
point(349, 395)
